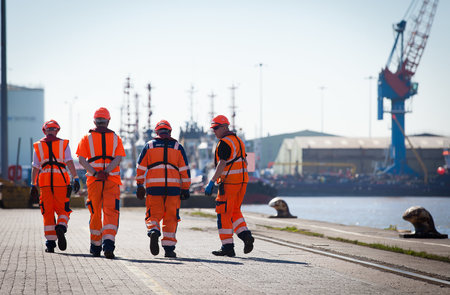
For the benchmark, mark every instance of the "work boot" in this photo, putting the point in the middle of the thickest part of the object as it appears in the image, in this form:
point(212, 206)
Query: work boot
point(226, 250)
point(247, 238)
point(50, 246)
point(95, 250)
point(154, 236)
point(170, 251)
point(109, 254)
point(60, 231)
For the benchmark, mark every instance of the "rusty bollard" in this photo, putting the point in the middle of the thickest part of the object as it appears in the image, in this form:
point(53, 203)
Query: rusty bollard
point(282, 208)
point(423, 224)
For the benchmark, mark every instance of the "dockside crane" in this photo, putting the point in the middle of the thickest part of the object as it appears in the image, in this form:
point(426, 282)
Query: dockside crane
point(397, 85)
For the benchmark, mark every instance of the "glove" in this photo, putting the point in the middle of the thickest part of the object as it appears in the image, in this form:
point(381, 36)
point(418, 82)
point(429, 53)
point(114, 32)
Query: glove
point(209, 188)
point(184, 194)
point(102, 175)
point(140, 192)
point(76, 185)
point(34, 193)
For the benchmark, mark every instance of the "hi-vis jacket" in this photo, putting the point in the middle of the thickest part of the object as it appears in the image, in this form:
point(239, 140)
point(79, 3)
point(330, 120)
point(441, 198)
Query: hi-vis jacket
point(100, 148)
point(166, 165)
point(51, 155)
point(235, 171)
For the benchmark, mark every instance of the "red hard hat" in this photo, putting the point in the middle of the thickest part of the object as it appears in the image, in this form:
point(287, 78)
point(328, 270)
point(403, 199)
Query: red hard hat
point(163, 124)
point(219, 120)
point(50, 124)
point(102, 113)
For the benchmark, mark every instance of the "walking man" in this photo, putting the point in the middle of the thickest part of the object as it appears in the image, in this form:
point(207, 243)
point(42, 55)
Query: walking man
point(51, 158)
point(164, 170)
point(100, 153)
point(231, 176)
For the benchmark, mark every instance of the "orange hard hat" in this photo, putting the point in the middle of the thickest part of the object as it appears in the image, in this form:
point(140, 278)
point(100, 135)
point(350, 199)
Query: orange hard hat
point(219, 120)
point(163, 124)
point(102, 113)
point(50, 124)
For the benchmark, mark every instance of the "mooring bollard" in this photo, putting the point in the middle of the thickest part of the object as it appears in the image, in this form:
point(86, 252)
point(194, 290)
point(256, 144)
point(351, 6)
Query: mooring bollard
point(282, 208)
point(423, 224)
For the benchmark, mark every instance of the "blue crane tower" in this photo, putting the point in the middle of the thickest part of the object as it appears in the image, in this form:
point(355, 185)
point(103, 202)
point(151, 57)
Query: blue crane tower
point(397, 85)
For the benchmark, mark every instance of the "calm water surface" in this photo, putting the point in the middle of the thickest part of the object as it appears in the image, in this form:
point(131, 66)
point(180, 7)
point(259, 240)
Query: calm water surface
point(377, 212)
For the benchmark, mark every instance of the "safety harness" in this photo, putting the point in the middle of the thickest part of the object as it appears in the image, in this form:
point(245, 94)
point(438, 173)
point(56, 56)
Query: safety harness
point(53, 162)
point(103, 156)
point(230, 163)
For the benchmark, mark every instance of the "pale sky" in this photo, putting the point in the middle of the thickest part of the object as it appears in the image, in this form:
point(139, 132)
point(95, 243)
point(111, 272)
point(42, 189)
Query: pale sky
point(86, 49)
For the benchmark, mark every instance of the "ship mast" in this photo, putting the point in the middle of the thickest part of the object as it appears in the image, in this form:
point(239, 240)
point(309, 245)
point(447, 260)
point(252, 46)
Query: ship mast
point(211, 96)
point(233, 107)
point(148, 131)
point(191, 92)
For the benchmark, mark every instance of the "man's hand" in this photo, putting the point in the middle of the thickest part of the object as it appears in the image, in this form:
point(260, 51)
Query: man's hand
point(185, 194)
point(102, 175)
point(34, 193)
point(76, 185)
point(209, 188)
point(140, 192)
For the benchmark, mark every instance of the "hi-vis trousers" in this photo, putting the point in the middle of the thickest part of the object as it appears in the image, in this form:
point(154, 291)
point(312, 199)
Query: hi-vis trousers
point(103, 195)
point(51, 203)
point(166, 208)
point(229, 215)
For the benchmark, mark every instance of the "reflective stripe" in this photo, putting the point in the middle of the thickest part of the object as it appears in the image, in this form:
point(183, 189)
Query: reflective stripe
point(141, 167)
point(186, 180)
point(229, 141)
point(241, 229)
point(95, 232)
point(114, 145)
point(169, 235)
point(109, 226)
point(114, 173)
point(61, 151)
point(109, 237)
point(91, 145)
point(227, 241)
point(237, 222)
point(168, 243)
point(97, 165)
point(51, 237)
point(233, 172)
point(226, 231)
point(153, 180)
point(49, 170)
point(140, 177)
point(162, 166)
point(49, 227)
point(63, 217)
point(183, 168)
point(41, 153)
point(96, 243)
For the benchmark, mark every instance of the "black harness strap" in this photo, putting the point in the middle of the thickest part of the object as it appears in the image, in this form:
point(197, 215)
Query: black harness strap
point(235, 159)
point(103, 156)
point(53, 162)
point(166, 144)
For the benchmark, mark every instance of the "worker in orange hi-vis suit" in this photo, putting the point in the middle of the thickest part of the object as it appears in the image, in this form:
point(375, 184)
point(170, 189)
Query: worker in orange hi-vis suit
point(51, 158)
point(164, 170)
point(100, 153)
point(232, 177)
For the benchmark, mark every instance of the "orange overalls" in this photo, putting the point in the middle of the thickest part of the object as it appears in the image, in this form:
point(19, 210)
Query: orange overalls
point(53, 182)
point(165, 162)
point(100, 148)
point(232, 185)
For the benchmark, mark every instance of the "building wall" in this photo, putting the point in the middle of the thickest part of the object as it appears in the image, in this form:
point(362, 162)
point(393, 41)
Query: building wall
point(25, 119)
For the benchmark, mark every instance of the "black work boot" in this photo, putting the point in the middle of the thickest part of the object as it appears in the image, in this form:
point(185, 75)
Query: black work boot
point(50, 246)
point(60, 231)
point(108, 248)
point(248, 239)
point(154, 236)
point(95, 250)
point(226, 250)
point(109, 254)
point(170, 251)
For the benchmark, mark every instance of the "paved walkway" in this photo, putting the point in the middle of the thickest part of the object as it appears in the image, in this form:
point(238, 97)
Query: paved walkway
point(270, 269)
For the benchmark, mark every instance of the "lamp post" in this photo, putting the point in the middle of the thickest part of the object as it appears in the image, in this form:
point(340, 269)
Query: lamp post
point(4, 94)
point(370, 78)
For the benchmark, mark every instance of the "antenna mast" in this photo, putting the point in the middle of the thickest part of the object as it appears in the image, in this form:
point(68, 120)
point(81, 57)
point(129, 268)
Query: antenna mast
point(211, 96)
point(191, 92)
point(233, 108)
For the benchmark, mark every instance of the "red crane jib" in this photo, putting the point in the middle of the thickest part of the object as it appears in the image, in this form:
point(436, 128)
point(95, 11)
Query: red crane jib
point(396, 83)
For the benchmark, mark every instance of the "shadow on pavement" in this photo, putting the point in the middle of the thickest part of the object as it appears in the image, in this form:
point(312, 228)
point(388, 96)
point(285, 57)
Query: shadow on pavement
point(208, 260)
point(272, 260)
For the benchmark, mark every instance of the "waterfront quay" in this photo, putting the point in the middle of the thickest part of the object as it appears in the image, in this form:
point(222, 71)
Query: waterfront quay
point(282, 262)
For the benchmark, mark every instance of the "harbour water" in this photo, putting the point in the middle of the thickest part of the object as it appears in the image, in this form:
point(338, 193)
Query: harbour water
point(377, 212)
